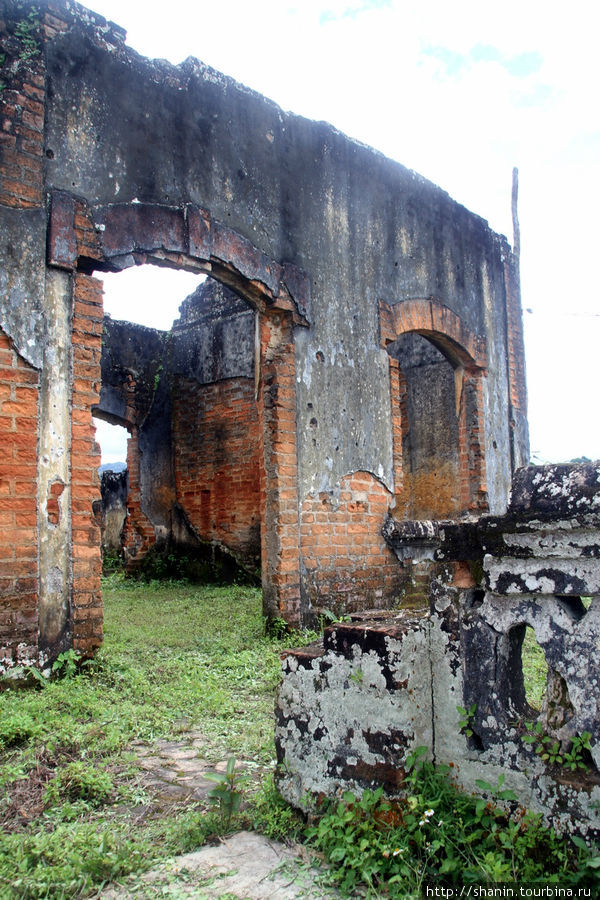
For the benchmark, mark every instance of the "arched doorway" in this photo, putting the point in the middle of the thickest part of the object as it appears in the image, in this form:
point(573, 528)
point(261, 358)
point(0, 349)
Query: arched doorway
point(84, 240)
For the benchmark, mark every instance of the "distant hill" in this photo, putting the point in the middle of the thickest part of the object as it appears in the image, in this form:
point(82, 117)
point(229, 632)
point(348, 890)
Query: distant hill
point(112, 467)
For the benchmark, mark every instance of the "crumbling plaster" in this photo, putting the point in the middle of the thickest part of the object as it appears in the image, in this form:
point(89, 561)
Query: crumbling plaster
point(128, 160)
point(467, 653)
point(364, 228)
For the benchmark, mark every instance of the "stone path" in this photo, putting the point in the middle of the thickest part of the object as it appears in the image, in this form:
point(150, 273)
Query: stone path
point(244, 866)
point(176, 769)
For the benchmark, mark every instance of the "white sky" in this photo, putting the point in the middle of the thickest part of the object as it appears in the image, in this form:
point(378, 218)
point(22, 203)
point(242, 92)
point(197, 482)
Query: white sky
point(461, 92)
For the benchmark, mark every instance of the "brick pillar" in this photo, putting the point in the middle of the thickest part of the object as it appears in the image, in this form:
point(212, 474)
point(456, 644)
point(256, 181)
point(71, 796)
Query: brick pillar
point(85, 459)
point(138, 532)
point(280, 552)
point(19, 394)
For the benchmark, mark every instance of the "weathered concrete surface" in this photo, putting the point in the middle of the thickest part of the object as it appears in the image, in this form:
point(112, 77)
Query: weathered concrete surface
point(22, 276)
point(348, 714)
point(54, 460)
point(300, 192)
point(244, 865)
point(531, 567)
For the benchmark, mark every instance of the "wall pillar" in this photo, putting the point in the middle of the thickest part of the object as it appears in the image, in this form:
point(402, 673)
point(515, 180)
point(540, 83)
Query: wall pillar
point(85, 459)
point(54, 509)
point(280, 552)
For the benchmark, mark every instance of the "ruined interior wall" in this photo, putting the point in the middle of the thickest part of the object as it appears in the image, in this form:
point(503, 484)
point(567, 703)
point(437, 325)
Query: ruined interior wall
point(19, 399)
point(217, 463)
point(316, 199)
point(359, 227)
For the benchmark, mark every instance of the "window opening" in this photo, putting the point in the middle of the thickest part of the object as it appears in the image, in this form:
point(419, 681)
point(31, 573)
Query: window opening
point(535, 670)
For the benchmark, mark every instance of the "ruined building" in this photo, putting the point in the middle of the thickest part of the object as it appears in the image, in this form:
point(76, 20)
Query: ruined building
point(368, 356)
point(350, 376)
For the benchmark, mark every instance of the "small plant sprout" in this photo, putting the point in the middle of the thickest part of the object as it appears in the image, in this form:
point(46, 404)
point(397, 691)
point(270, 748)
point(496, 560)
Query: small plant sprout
point(227, 795)
point(357, 677)
point(466, 718)
point(66, 663)
point(548, 749)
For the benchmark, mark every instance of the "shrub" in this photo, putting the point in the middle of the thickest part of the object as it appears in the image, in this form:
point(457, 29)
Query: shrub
point(440, 836)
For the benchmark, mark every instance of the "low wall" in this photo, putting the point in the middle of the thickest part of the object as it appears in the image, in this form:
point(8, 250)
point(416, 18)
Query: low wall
point(350, 710)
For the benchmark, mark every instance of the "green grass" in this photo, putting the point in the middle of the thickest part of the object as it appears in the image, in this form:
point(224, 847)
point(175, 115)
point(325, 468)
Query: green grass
point(176, 657)
point(179, 658)
point(535, 669)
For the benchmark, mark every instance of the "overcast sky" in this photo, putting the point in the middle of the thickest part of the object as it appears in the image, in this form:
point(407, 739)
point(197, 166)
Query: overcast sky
point(461, 92)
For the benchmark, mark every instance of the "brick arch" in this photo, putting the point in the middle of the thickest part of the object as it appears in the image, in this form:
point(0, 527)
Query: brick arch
point(116, 236)
point(467, 354)
point(436, 322)
point(83, 239)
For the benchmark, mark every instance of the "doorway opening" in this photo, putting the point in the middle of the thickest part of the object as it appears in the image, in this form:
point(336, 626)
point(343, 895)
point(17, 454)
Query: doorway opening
point(179, 374)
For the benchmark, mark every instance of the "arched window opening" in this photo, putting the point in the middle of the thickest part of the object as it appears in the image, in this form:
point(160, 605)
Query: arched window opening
point(536, 690)
point(430, 483)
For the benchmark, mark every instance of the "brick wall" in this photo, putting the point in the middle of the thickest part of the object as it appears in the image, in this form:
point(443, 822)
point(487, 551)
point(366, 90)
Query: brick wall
point(19, 394)
point(217, 462)
point(85, 459)
point(21, 128)
point(348, 564)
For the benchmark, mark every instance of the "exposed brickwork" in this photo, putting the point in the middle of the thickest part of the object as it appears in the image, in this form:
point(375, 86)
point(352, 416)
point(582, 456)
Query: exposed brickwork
point(85, 459)
point(22, 136)
point(348, 564)
point(19, 394)
point(139, 534)
point(468, 353)
point(399, 420)
point(217, 462)
point(432, 319)
point(279, 484)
